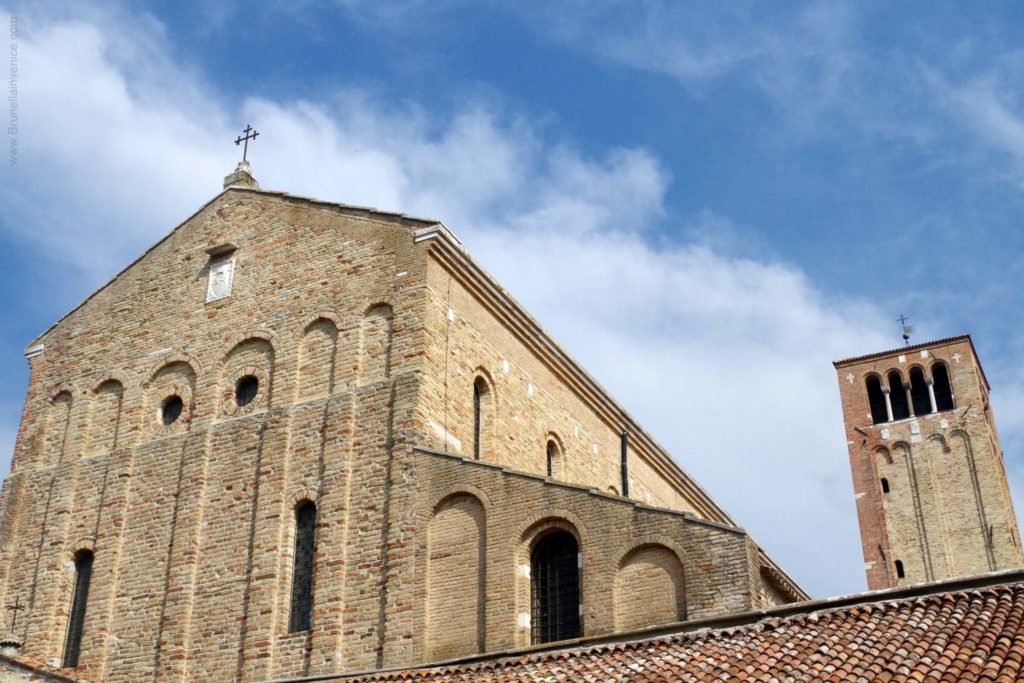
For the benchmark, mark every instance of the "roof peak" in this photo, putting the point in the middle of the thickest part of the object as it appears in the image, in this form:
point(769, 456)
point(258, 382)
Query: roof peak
point(241, 177)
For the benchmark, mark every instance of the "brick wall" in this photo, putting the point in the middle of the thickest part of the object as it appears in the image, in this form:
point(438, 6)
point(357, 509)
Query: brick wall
point(640, 565)
point(947, 511)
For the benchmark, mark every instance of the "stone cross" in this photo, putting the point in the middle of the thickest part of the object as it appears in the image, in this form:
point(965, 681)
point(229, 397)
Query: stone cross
point(15, 608)
point(956, 358)
point(250, 134)
point(849, 378)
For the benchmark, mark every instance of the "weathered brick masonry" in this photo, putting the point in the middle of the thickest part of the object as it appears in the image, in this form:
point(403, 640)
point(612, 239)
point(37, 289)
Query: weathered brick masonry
point(365, 332)
point(932, 495)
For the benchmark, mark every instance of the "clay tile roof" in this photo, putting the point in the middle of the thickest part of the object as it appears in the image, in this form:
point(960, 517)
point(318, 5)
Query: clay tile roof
point(33, 670)
point(974, 633)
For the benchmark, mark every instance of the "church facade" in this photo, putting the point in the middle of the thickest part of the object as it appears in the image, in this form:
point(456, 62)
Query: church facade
point(298, 438)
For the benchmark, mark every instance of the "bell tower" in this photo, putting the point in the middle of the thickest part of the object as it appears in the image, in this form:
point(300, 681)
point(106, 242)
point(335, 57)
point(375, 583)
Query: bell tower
point(933, 501)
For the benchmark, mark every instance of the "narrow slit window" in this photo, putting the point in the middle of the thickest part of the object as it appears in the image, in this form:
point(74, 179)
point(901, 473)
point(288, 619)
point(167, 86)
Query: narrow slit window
point(482, 418)
point(898, 397)
point(555, 588)
point(301, 617)
point(877, 400)
point(79, 603)
point(477, 422)
point(885, 485)
point(943, 390)
point(552, 458)
point(900, 574)
point(919, 392)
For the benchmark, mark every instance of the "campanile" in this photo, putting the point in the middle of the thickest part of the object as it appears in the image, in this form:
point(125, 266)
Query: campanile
point(932, 496)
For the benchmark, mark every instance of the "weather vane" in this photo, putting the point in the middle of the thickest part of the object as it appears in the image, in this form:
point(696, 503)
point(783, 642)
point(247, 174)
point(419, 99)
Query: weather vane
point(250, 134)
point(907, 329)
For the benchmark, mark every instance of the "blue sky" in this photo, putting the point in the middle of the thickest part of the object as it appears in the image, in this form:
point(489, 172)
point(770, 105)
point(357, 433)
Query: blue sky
point(706, 203)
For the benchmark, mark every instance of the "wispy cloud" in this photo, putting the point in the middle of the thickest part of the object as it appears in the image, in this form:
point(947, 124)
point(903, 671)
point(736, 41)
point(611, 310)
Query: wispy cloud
point(989, 107)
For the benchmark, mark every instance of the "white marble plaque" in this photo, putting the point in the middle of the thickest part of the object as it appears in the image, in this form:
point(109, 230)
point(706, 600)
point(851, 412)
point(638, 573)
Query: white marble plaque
point(219, 285)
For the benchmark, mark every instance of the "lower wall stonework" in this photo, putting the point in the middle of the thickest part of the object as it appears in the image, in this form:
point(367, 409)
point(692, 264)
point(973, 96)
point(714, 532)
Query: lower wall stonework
point(640, 566)
point(459, 544)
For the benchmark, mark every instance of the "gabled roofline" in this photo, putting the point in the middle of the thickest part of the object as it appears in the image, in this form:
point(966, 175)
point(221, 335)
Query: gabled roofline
point(917, 347)
point(456, 259)
point(34, 347)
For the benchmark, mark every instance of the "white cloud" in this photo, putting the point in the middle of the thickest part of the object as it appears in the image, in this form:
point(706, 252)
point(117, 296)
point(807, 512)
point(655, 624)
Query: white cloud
point(8, 434)
point(726, 359)
point(135, 120)
point(985, 106)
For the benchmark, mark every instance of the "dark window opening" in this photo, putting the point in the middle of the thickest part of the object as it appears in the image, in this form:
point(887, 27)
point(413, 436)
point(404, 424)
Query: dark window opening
point(900, 574)
point(877, 400)
point(898, 397)
point(476, 421)
point(301, 616)
point(171, 409)
point(943, 390)
point(480, 390)
point(246, 389)
point(919, 392)
point(555, 588)
point(79, 601)
point(885, 485)
point(552, 455)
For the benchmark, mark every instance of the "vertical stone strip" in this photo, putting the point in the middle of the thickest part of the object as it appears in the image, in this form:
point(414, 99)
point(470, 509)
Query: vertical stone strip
point(257, 640)
point(110, 539)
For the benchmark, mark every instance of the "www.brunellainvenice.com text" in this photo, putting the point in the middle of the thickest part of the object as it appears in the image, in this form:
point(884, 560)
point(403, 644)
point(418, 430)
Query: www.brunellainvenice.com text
point(12, 94)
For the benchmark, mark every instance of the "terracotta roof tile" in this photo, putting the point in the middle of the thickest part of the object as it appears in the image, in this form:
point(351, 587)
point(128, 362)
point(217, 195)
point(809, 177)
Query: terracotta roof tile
point(963, 636)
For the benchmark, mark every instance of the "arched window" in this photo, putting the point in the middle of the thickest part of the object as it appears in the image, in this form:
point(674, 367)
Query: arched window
point(477, 421)
point(898, 396)
point(79, 601)
point(885, 485)
point(301, 617)
point(943, 390)
point(554, 458)
point(900, 574)
point(919, 392)
point(877, 400)
point(555, 588)
point(481, 417)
